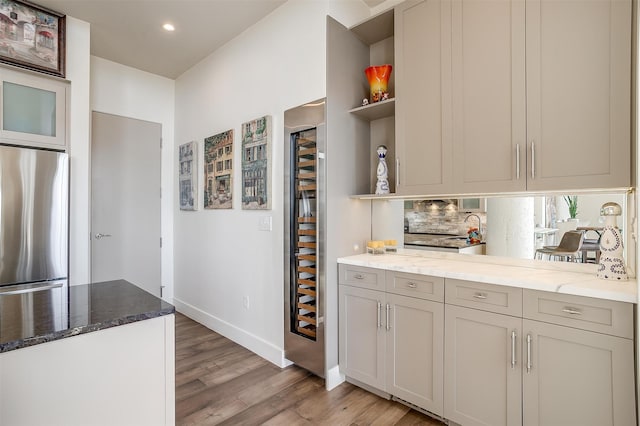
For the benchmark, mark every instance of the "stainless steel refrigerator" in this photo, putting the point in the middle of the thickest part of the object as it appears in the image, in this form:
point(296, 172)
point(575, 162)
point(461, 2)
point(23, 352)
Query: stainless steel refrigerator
point(34, 229)
point(304, 235)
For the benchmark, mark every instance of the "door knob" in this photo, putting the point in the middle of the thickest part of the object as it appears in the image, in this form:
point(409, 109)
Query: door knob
point(100, 235)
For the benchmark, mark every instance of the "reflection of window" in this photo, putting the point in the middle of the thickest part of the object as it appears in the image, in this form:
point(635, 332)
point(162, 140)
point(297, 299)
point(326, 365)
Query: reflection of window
point(260, 153)
point(247, 154)
point(227, 164)
point(210, 167)
point(219, 165)
point(220, 151)
point(227, 149)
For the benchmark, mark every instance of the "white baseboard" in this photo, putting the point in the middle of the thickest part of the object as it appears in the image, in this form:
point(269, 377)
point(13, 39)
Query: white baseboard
point(254, 343)
point(334, 378)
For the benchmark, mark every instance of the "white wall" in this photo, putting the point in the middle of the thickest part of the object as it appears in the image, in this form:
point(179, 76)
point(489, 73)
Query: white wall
point(121, 90)
point(220, 255)
point(78, 38)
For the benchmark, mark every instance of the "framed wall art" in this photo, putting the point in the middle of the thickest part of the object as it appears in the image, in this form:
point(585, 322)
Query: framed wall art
point(218, 171)
point(256, 164)
point(32, 37)
point(188, 182)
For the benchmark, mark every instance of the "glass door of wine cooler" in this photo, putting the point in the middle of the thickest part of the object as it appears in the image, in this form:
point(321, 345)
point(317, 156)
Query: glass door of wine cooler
point(304, 303)
point(304, 294)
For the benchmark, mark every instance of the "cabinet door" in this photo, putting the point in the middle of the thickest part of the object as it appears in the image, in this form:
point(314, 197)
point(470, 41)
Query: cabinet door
point(482, 375)
point(415, 351)
point(423, 97)
point(578, 94)
point(488, 76)
point(577, 377)
point(362, 335)
point(33, 110)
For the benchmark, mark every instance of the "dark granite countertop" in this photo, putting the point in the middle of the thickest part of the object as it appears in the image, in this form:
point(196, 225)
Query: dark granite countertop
point(86, 308)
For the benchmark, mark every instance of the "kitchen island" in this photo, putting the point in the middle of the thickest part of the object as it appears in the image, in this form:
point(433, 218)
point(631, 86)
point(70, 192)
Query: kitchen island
point(488, 340)
point(104, 355)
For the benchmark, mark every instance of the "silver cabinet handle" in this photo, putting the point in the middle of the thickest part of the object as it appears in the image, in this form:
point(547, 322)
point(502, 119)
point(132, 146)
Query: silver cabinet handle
point(480, 296)
point(388, 322)
point(528, 353)
point(533, 159)
point(100, 235)
point(397, 172)
point(358, 277)
point(379, 314)
point(572, 311)
point(517, 161)
point(513, 349)
point(411, 284)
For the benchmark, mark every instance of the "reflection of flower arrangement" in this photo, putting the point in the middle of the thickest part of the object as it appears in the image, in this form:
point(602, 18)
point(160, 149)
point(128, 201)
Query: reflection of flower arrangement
point(473, 236)
point(572, 203)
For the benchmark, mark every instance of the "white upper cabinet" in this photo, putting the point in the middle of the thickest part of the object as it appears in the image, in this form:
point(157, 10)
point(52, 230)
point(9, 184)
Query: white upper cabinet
point(33, 109)
point(578, 94)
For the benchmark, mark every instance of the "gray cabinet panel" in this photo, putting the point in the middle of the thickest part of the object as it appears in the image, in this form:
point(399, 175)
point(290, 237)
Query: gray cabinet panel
point(423, 97)
point(414, 351)
point(362, 335)
point(482, 376)
point(577, 377)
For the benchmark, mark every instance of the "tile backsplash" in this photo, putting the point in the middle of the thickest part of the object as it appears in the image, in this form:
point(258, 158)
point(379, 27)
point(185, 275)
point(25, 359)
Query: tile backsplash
point(440, 217)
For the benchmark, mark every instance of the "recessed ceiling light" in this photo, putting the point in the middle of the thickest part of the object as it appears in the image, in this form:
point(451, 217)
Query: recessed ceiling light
point(169, 27)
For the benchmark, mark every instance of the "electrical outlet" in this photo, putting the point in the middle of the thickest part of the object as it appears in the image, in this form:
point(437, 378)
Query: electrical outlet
point(265, 223)
point(245, 302)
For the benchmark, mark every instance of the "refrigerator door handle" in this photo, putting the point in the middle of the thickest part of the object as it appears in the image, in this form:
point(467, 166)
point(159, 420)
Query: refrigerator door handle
point(100, 235)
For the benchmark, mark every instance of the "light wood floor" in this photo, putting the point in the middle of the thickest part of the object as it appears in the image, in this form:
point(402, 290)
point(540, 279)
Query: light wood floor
point(220, 382)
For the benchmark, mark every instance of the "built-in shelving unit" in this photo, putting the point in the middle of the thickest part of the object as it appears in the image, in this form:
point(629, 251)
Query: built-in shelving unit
point(377, 37)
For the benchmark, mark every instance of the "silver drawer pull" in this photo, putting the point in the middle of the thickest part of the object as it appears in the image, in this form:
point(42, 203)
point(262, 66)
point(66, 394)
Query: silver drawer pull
point(529, 339)
point(480, 296)
point(572, 311)
point(513, 349)
point(411, 285)
point(358, 277)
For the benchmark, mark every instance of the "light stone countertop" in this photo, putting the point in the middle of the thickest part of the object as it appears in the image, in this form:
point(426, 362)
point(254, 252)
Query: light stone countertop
point(557, 277)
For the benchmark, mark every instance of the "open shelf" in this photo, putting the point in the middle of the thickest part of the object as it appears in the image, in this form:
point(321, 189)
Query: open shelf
point(376, 28)
point(375, 111)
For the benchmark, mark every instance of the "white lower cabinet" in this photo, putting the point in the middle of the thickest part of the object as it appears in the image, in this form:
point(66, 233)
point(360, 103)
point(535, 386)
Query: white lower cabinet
point(393, 342)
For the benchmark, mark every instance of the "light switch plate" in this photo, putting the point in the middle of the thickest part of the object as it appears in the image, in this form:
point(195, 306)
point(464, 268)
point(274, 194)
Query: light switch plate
point(265, 223)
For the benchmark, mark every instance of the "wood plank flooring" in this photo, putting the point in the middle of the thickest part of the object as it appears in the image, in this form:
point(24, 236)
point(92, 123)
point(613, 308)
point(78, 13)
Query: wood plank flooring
point(220, 382)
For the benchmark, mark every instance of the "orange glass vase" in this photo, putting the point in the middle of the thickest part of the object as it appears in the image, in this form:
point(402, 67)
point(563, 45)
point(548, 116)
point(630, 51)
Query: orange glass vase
point(378, 77)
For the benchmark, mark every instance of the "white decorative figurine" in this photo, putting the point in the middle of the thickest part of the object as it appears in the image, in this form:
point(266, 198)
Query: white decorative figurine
point(382, 173)
point(611, 266)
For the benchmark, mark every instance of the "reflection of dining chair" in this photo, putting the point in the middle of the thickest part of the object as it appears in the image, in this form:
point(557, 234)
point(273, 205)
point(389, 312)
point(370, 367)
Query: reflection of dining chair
point(569, 247)
point(591, 245)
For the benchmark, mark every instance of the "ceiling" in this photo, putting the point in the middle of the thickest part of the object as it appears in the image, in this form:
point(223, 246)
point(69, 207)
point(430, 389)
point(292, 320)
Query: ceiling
point(130, 32)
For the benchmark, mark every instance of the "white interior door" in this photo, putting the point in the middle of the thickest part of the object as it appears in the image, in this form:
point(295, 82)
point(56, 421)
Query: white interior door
point(125, 201)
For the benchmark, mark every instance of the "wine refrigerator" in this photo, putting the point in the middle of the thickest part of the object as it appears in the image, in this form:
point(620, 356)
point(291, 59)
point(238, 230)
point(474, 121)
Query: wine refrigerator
point(304, 188)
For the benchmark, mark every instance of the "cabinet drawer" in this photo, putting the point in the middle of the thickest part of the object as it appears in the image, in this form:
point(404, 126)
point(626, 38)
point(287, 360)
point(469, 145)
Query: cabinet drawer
point(415, 285)
point(487, 297)
point(586, 313)
point(360, 276)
